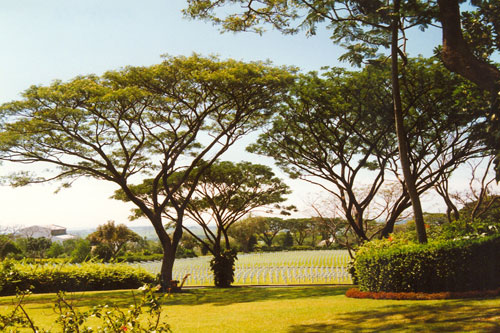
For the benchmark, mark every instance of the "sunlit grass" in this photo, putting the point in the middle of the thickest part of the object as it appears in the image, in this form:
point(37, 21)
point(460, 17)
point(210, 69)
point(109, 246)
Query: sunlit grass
point(294, 309)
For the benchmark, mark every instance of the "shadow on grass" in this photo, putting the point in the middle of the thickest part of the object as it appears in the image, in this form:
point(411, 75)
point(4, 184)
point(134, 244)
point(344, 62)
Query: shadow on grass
point(121, 299)
point(216, 296)
point(452, 316)
point(233, 295)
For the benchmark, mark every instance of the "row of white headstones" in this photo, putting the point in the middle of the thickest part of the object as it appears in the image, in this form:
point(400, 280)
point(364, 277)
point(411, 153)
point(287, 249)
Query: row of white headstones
point(278, 268)
point(272, 276)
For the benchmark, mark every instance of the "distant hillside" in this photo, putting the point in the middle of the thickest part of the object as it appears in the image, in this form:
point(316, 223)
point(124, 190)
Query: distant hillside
point(144, 231)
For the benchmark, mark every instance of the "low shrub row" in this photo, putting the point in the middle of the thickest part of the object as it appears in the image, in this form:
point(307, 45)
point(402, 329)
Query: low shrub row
point(84, 277)
point(445, 265)
point(135, 257)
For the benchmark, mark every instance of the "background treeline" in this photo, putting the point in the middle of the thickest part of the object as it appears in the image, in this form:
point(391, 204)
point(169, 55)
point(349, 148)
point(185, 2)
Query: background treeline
point(118, 243)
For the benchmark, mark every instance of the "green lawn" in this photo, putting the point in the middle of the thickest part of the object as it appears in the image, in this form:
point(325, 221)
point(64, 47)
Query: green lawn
point(293, 309)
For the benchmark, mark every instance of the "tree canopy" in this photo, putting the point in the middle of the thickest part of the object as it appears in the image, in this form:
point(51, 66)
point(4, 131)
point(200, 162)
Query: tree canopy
point(141, 121)
point(363, 27)
point(338, 128)
point(112, 237)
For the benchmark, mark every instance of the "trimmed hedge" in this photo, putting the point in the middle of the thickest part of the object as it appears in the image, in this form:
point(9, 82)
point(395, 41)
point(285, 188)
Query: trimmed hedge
point(84, 277)
point(450, 265)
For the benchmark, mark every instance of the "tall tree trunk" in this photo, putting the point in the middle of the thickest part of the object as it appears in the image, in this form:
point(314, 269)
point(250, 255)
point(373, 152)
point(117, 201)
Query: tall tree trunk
point(400, 130)
point(167, 265)
point(169, 246)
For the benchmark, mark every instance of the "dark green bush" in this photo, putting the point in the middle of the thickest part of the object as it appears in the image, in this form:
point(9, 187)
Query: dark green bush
point(445, 265)
point(223, 268)
point(84, 277)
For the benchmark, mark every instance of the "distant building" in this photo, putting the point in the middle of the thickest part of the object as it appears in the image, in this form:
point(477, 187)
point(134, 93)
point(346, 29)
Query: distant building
point(53, 232)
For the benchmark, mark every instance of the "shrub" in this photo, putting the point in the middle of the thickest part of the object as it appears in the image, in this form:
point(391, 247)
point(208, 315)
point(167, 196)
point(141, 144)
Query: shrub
point(223, 268)
point(84, 277)
point(445, 265)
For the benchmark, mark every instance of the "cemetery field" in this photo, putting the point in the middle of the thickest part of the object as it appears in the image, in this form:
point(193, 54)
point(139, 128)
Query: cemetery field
point(272, 268)
point(287, 309)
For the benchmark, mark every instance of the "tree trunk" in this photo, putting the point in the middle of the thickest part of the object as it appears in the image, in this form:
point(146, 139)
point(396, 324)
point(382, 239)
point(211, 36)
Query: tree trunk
point(458, 58)
point(169, 246)
point(401, 133)
point(167, 265)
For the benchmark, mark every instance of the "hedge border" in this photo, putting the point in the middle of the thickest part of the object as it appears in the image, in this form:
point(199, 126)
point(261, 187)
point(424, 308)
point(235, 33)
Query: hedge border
point(356, 293)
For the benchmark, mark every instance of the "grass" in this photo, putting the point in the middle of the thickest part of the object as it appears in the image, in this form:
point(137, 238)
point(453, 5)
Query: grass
point(292, 309)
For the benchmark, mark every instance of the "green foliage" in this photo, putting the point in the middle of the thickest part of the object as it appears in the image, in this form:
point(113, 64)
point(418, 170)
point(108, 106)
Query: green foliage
point(398, 265)
point(463, 228)
point(339, 127)
point(56, 249)
point(360, 26)
point(222, 266)
point(287, 240)
point(8, 247)
point(109, 239)
point(244, 232)
point(183, 252)
point(135, 257)
point(37, 247)
point(141, 122)
point(54, 278)
point(143, 316)
point(81, 249)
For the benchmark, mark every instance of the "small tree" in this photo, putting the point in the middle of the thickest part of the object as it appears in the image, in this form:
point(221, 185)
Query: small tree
point(244, 232)
point(37, 247)
point(110, 239)
point(8, 246)
point(80, 250)
point(226, 192)
point(268, 228)
point(300, 229)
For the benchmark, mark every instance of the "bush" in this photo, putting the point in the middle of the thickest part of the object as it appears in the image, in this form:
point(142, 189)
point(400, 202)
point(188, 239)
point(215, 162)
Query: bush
point(223, 268)
point(85, 277)
point(445, 265)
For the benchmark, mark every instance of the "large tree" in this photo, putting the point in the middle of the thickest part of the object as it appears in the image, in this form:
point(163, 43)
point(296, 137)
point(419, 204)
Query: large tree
point(141, 121)
point(363, 26)
point(336, 130)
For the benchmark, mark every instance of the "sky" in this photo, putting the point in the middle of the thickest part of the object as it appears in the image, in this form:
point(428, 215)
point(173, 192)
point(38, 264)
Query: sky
point(60, 39)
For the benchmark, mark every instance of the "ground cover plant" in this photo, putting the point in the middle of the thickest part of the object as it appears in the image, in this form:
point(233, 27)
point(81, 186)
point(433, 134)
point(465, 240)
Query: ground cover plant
point(267, 268)
point(292, 309)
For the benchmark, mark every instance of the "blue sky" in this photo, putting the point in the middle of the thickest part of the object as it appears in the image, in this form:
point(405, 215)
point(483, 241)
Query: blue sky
point(59, 39)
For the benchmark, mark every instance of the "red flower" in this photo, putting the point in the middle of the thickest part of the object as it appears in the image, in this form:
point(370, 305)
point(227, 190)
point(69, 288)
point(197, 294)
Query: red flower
point(124, 328)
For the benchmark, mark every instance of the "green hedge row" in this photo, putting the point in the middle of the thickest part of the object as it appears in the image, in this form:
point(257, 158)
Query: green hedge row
point(451, 265)
point(84, 277)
